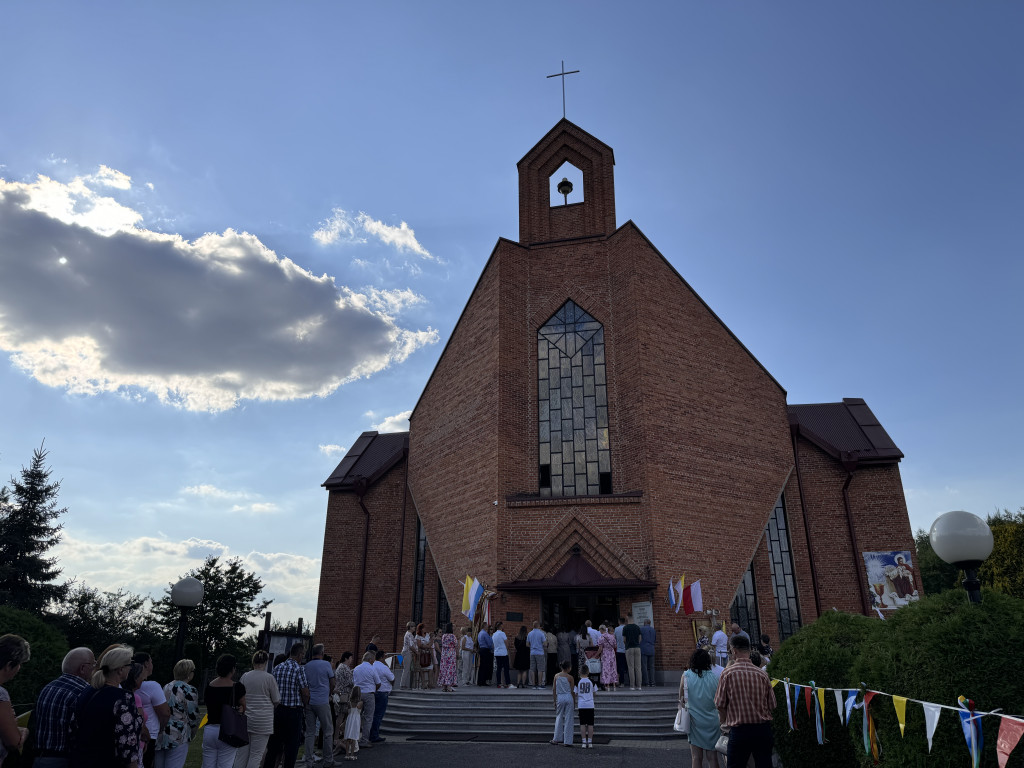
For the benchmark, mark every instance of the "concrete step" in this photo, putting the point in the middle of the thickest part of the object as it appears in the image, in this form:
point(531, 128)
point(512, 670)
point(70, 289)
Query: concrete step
point(646, 714)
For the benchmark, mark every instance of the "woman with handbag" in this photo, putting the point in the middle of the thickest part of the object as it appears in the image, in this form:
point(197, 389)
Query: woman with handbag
point(226, 726)
point(697, 696)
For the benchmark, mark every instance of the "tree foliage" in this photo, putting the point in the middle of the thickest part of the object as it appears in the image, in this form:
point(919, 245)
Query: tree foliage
point(936, 575)
point(28, 530)
point(48, 648)
point(1003, 571)
point(95, 619)
point(231, 605)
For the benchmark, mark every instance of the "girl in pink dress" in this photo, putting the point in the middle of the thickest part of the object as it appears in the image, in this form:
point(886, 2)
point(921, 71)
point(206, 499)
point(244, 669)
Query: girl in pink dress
point(448, 676)
point(609, 673)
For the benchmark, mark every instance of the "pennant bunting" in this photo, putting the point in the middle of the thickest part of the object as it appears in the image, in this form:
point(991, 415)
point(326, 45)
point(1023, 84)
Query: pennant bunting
point(1010, 731)
point(693, 601)
point(931, 719)
point(789, 709)
point(839, 703)
point(796, 701)
point(900, 703)
point(819, 714)
point(808, 693)
point(851, 699)
point(775, 682)
point(871, 745)
point(971, 724)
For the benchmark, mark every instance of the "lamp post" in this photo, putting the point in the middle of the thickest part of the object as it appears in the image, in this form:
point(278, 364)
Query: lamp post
point(186, 594)
point(964, 541)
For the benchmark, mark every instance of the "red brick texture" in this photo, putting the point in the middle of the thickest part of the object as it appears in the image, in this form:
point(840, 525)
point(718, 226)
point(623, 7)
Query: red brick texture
point(697, 426)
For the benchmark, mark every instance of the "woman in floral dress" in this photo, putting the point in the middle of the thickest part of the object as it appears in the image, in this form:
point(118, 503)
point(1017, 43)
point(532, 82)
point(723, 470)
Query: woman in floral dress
point(609, 673)
point(106, 724)
point(448, 675)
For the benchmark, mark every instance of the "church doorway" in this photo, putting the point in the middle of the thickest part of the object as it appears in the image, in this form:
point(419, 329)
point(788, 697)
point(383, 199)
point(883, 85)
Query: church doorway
point(569, 610)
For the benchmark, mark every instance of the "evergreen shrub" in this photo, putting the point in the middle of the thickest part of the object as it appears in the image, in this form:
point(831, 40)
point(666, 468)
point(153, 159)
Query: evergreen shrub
point(823, 652)
point(935, 650)
point(47, 650)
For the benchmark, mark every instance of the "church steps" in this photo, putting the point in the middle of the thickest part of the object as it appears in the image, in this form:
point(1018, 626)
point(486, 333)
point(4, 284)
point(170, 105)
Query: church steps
point(623, 714)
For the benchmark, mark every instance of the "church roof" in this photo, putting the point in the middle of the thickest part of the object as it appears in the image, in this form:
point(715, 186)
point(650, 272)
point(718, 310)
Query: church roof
point(566, 126)
point(579, 574)
point(848, 431)
point(369, 458)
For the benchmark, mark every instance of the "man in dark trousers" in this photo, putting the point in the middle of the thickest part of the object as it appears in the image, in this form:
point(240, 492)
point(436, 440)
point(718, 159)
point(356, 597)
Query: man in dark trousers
point(745, 702)
point(485, 647)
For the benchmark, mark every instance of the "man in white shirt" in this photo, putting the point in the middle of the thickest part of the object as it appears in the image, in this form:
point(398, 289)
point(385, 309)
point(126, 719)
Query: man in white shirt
point(501, 656)
point(320, 678)
point(594, 634)
point(368, 680)
point(154, 704)
point(380, 700)
point(720, 641)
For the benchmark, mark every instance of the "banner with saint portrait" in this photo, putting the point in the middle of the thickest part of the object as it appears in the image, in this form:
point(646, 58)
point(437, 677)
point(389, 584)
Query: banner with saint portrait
point(892, 581)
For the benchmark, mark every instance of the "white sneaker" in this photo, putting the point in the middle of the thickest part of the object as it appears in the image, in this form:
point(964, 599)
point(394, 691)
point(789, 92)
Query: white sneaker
point(511, 686)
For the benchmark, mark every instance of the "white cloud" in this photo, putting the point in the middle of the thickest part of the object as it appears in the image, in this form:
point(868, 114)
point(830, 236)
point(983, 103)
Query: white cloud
point(198, 324)
point(256, 508)
point(342, 227)
point(147, 564)
point(110, 177)
point(212, 492)
point(332, 449)
point(397, 423)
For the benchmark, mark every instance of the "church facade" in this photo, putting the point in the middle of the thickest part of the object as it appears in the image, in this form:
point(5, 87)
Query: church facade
point(593, 431)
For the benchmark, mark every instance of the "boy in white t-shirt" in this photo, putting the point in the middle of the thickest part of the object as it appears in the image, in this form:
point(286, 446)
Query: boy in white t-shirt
point(585, 699)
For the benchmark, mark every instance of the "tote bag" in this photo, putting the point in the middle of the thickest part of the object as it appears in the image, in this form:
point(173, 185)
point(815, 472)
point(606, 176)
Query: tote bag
point(682, 724)
point(234, 726)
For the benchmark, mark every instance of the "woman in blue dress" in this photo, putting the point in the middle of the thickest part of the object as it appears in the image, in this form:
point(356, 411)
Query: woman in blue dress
point(697, 693)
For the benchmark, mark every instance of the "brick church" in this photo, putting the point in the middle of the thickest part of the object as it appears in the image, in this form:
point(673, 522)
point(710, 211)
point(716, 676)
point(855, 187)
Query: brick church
point(593, 430)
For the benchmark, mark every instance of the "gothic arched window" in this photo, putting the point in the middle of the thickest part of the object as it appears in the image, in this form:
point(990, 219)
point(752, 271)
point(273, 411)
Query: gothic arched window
point(575, 451)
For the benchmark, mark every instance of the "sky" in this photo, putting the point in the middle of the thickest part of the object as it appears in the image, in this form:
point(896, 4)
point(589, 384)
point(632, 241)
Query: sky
point(234, 236)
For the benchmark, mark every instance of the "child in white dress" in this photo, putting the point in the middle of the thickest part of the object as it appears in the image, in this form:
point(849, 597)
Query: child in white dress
point(353, 723)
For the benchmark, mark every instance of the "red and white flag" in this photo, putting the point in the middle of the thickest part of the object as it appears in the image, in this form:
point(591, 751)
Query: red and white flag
point(692, 599)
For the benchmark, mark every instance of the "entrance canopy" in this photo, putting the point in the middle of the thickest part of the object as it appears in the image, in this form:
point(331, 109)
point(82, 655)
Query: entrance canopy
point(577, 575)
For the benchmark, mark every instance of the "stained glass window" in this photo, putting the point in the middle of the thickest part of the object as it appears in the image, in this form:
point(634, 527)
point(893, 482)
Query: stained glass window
point(743, 610)
point(575, 446)
point(783, 579)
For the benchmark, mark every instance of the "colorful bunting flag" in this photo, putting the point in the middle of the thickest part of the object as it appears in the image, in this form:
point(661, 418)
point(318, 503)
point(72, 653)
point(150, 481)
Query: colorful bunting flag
point(839, 703)
point(789, 709)
point(808, 693)
point(692, 598)
point(819, 714)
point(931, 719)
point(900, 703)
point(796, 701)
point(971, 724)
point(871, 745)
point(1010, 731)
point(851, 699)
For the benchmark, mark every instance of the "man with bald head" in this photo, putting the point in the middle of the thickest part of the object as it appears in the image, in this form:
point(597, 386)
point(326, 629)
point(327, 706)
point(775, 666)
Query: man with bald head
point(56, 702)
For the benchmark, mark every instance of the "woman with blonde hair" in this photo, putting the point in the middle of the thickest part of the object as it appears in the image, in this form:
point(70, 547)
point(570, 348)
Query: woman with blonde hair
point(107, 723)
point(14, 651)
point(261, 696)
point(183, 700)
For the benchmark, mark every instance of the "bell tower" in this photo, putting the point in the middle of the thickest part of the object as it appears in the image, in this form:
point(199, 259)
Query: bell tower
point(541, 221)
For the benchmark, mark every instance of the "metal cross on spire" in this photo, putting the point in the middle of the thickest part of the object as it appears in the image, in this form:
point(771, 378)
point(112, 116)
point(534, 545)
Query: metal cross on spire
point(562, 75)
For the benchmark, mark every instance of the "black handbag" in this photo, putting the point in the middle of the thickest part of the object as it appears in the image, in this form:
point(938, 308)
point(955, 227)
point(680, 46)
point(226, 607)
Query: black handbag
point(234, 726)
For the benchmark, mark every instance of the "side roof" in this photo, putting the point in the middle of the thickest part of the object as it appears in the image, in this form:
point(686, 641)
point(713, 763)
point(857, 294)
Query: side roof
point(847, 431)
point(369, 458)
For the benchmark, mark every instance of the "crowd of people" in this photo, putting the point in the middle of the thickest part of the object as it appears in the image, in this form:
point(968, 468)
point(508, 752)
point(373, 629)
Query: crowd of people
point(621, 655)
point(729, 696)
point(106, 712)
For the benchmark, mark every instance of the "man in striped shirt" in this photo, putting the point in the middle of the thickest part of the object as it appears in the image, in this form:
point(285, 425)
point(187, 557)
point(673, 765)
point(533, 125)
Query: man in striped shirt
point(745, 701)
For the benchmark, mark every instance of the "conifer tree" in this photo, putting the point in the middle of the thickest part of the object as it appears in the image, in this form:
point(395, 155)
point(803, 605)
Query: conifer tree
point(28, 530)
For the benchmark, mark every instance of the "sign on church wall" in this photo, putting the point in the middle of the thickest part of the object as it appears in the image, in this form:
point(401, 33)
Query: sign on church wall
point(891, 579)
point(642, 612)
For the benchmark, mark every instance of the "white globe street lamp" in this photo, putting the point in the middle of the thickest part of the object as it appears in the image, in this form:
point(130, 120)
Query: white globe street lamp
point(186, 594)
point(964, 541)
